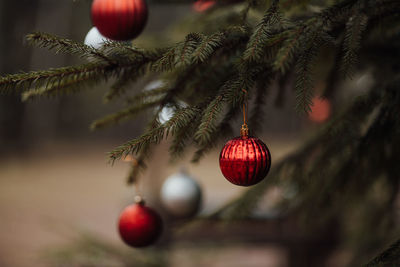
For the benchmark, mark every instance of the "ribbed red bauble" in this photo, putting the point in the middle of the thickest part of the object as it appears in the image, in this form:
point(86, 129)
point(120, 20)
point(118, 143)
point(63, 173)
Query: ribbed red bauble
point(245, 160)
point(139, 226)
point(119, 20)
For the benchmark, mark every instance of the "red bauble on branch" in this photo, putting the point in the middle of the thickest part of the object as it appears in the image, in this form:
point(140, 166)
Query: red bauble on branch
point(245, 160)
point(320, 110)
point(139, 226)
point(203, 5)
point(119, 20)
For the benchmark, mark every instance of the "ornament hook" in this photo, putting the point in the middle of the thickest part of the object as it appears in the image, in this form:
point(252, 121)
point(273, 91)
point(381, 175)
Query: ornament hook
point(135, 163)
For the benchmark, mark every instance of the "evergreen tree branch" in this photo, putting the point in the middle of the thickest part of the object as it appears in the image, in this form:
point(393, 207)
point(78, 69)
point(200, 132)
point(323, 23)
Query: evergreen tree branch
point(186, 49)
point(286, 53)
point(255, 46)
point(62, 45)
point(147, 95)
point(209, 119)
point(224, 129)
point(207, 46)
point(122, 115)
point(304, 84)
point(48, 82)
point(355, 27)
point(257, 113)
point(389, 257)
point(156, 134)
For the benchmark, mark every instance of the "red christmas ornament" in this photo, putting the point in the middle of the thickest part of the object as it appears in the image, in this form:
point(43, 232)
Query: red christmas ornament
point(245, 160)
point(320, 110)
point(139, 226)
point(119, 20)
point(203, 5)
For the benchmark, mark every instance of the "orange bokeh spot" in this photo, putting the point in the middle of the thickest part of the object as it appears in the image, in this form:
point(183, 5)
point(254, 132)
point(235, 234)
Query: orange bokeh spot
point(203, 5)
point(320, 111)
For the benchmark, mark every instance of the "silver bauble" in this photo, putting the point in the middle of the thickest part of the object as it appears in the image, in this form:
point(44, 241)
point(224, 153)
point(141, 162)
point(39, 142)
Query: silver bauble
point(181, 195)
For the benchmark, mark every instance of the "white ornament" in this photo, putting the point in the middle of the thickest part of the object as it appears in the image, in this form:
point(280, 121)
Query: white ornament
point(168, 111)
point(181, 195)
point(95, 38)
point(166, 114)
point(154, 85)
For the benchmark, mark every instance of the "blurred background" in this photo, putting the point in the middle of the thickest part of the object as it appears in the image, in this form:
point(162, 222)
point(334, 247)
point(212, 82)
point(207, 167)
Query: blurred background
point(59, 196)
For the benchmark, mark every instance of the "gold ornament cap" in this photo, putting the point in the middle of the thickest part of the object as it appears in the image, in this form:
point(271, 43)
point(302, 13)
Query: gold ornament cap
point(139, 200)
point(244, 132)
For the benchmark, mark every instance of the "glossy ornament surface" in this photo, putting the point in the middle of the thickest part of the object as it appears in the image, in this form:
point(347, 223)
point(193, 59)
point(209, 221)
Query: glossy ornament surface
point(245, 160)
point(181, 195)
point(119, 20)
point(139, 226)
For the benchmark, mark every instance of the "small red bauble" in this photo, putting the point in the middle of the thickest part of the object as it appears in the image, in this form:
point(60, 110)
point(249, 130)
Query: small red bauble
point(139, 226)
point(119, 20)
point(203, 5)
point(245, 160)
point(320, 110)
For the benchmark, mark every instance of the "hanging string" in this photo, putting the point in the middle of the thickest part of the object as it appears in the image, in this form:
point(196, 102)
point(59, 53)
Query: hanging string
point(244, 131)
point(136, 184)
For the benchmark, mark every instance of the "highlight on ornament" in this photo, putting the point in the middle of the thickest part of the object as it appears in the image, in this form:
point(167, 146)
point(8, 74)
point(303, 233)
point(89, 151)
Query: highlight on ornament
point(119, 20)
point(139, 225)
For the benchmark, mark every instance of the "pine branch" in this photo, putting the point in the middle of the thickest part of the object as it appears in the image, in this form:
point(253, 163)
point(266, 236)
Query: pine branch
point(287, 52)
point(147, 95)
point(337, 12)
point(124, 49)
point(312, 41)
point(62, 45)
point(256, 45)
point(186, 49)
point(183, 137)
point(223, 129)
point(136, 145)
point(129, 76)
point(207, 46)
point(389, 257)
point(304, 85)
point(257, 113)
point(49, 82)
point(137, 61)
point(122, 115)
point(167, 61)
point(234, 93)
point(156, 134)
point(355, 27)
point(209, 118)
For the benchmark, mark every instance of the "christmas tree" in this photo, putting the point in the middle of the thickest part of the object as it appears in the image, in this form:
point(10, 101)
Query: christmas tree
point(342, 184)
